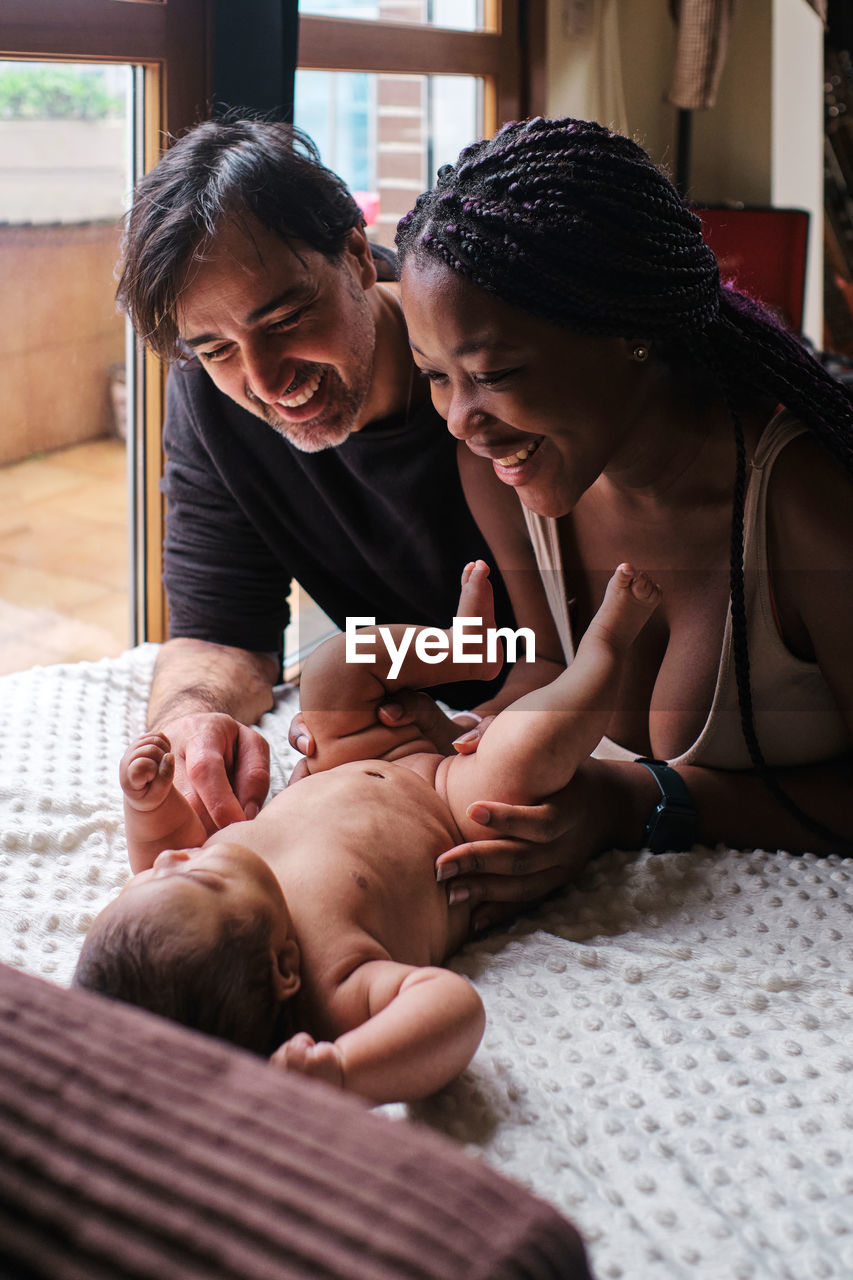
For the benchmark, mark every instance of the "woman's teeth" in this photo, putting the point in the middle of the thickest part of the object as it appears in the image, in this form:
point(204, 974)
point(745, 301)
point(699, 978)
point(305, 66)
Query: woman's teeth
point(304, 394)
point(514, 459)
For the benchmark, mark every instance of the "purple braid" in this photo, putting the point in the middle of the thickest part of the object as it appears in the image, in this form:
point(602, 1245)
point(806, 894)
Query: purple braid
point(577, 226)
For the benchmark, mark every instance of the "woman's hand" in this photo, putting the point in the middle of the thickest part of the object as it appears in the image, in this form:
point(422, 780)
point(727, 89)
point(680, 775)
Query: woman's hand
point(407, 707)
point(410, 707)
point(536, 848)
point(302, 740)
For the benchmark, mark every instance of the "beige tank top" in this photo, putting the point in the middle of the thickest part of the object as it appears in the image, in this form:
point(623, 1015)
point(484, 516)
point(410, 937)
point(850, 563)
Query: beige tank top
point(795, 715)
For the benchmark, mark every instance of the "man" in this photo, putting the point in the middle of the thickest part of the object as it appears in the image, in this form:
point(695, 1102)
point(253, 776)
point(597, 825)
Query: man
point(300, 444)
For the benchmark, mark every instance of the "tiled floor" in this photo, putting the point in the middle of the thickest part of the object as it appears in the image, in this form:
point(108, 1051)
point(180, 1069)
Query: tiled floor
point(64, 556)
point(64, 562)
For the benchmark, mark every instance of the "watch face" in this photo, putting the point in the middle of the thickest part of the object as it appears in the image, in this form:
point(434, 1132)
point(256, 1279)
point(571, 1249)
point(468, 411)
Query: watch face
point(672, 830)
point(674, 823)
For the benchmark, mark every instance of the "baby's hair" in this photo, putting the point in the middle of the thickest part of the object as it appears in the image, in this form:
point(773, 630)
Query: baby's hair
point(226, 990)
point(577, 226)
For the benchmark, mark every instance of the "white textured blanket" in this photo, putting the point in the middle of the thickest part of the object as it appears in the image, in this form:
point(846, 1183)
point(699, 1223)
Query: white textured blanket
point(668, 1055)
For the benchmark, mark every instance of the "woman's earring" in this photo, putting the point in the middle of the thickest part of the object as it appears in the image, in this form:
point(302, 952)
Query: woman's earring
point(640, 352)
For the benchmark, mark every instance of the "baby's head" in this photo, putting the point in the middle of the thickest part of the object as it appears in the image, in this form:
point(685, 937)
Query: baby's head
point(203, 938)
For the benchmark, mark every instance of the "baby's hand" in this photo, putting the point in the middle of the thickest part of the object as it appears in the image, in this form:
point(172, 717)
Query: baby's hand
point(146, 771)
point(321, 1060)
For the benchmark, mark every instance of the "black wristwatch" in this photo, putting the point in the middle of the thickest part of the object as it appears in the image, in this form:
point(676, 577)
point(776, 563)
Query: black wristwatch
point(674, 823)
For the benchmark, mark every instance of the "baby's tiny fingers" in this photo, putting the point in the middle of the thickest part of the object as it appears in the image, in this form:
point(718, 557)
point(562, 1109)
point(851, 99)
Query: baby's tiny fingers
point(141, 771)
point(293, 1054)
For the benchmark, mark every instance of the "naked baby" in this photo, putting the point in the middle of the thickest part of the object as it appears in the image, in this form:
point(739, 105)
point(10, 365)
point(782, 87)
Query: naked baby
point(316, 931)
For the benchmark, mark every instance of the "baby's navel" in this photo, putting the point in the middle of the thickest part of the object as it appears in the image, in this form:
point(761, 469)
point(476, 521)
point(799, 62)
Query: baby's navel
point(371, 773)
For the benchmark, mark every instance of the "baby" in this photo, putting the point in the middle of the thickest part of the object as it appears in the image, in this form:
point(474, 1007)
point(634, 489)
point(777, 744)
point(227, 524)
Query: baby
point(323, 913)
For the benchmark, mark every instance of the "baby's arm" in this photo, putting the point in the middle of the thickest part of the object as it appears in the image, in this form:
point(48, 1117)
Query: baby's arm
point(421, 1027)
point(533, 747)
point(339, 699)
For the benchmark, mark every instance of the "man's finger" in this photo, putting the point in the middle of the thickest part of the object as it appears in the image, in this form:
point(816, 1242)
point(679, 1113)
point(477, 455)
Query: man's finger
point(207, 775)
point(252, 771)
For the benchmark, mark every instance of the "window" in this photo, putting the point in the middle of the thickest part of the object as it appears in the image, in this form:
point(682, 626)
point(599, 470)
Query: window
point(389, 88)
point(387, 105)
point(88, 77)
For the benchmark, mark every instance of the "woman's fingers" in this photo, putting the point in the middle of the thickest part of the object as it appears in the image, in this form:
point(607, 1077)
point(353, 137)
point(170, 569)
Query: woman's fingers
point(492, 898)
point(496, 858)
point(409, 707)
point(300, 771)
point(539, 823)
point(299, 737)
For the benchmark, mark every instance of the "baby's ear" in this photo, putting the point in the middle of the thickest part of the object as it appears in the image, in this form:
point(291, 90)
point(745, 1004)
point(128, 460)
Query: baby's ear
point(286, 966)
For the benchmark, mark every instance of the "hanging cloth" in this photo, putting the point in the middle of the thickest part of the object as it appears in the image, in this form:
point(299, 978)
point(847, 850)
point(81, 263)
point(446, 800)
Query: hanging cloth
point(703, 28)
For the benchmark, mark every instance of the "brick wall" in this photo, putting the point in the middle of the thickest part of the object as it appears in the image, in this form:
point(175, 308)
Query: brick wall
point(59, 334)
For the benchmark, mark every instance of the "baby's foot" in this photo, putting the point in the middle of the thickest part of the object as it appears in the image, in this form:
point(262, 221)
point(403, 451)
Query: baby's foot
point(146, 771)
point(476, 599)
point(631, 597)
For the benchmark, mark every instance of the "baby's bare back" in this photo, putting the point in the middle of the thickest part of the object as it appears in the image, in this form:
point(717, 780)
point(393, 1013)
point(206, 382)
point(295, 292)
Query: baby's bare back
point(354, 850)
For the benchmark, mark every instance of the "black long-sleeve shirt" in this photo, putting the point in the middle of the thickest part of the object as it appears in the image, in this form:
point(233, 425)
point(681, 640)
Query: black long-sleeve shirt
point(377, 527)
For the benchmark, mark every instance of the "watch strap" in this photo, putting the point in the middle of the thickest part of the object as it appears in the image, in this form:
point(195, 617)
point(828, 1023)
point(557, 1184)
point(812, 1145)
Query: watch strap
point(674, 823)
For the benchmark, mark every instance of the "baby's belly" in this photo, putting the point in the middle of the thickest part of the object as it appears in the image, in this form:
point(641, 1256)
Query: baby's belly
point(368, 833)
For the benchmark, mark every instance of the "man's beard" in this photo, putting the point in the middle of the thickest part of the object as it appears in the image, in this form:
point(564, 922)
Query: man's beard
point(333, 425)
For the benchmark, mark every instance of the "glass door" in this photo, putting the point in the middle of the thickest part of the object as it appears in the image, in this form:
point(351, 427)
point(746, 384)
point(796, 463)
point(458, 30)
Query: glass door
point(65, 174)
point(86, 97)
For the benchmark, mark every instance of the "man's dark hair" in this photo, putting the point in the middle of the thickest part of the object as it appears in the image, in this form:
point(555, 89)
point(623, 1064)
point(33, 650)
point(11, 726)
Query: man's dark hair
point(226, 990)
point(231, 167)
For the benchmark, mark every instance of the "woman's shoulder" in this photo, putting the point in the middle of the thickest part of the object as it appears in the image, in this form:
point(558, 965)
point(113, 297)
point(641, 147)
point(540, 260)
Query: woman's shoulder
point(809, 521)
point(810, 501)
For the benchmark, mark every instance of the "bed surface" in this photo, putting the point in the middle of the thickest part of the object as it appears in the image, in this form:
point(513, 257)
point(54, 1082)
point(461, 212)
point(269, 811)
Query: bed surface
point(668, 1054)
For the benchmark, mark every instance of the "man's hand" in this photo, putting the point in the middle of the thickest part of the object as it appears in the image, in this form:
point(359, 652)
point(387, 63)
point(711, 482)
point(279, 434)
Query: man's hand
point(221, 766)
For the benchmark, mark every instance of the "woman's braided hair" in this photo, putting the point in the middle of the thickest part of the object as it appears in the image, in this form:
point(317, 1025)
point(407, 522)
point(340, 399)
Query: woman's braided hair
point(577, 226)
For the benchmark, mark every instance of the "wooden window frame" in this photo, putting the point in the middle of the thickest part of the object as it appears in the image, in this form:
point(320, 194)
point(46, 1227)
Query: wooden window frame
point(508, 55)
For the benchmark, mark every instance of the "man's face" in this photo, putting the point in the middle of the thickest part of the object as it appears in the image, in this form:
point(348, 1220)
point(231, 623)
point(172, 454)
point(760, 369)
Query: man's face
point(284, 331)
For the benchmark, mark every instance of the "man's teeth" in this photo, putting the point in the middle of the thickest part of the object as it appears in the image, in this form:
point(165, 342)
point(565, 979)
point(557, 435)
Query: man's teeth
point(304, 394)
point(523, 454)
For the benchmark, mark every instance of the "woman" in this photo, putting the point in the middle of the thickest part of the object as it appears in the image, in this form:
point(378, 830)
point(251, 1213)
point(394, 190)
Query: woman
point(577, 338)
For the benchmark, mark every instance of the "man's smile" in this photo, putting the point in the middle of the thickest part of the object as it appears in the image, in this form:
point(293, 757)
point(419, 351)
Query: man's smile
point(305, 393)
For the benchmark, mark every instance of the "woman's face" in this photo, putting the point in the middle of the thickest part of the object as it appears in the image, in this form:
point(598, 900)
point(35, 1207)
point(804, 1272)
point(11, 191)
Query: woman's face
point(551, 409)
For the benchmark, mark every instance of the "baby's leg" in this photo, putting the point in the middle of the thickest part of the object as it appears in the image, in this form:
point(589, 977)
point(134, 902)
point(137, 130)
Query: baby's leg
point(533, 748)
point(476, 598)
point(630, 598)
point(156, 815)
